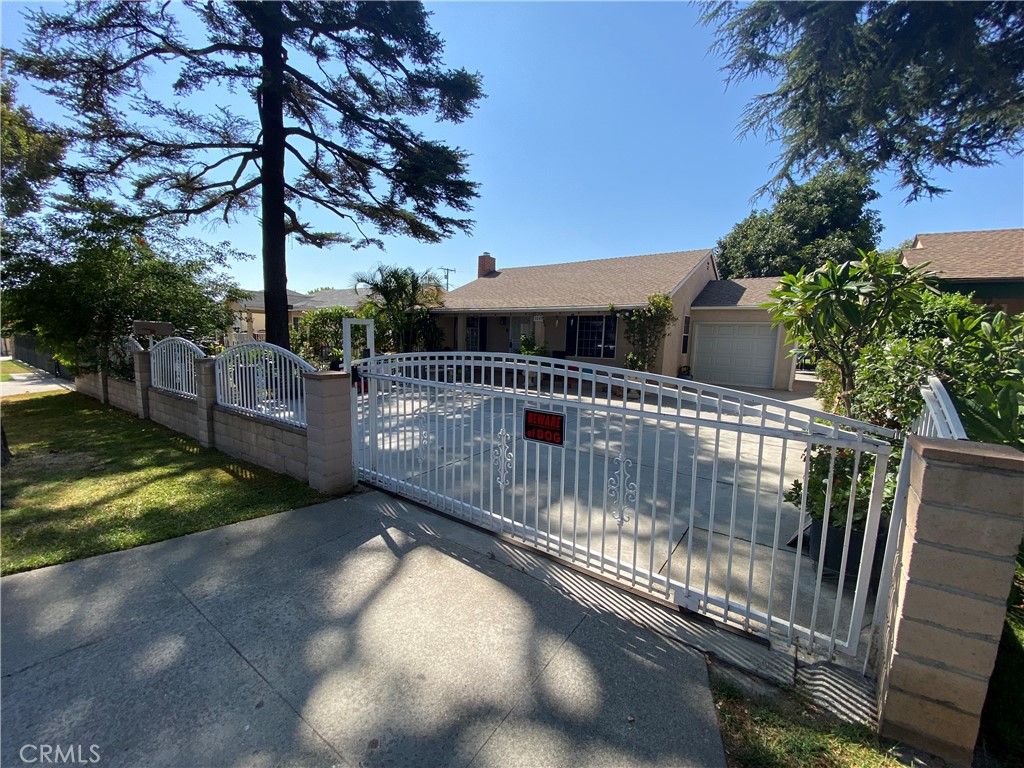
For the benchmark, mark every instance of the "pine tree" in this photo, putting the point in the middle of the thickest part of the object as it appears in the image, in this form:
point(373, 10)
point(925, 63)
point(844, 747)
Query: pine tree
point(331, 85)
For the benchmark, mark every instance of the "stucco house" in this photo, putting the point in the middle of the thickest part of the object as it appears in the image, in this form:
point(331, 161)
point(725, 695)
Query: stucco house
point(988, 263)
point(251, 313)
point(566, 307)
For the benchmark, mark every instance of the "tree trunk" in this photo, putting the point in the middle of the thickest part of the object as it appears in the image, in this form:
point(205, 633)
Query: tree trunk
point(5, 449)
point(269, 21)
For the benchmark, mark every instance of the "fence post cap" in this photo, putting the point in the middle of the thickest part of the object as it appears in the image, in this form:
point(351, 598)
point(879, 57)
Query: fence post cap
point(324, 375)
point(987, 455)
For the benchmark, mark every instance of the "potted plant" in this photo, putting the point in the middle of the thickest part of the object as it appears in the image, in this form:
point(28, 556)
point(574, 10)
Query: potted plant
point(839, 510)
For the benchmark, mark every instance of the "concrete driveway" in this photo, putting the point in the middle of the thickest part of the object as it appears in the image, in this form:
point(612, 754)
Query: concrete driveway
point(349, 633)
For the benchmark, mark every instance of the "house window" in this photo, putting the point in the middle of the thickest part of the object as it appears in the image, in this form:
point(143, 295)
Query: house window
point(591, 336)
point(686, 334)
point(295, 323)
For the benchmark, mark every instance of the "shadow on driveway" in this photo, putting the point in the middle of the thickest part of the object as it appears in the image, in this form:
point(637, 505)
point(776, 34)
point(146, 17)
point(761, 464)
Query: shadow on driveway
point(347, 633)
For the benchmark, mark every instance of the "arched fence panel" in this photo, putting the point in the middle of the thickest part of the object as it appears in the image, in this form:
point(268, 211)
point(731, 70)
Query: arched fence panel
point(264, 380)
point(173, 366)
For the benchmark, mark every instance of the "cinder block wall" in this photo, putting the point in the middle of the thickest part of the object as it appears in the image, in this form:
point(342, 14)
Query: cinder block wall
point(320, 455)
point(965, 519)
point(90, 384)
point(272, 444)
point(174, 412)
point(121, 394)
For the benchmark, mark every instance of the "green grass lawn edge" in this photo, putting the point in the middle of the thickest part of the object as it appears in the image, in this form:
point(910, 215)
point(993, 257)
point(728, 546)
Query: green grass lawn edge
point(87, 479)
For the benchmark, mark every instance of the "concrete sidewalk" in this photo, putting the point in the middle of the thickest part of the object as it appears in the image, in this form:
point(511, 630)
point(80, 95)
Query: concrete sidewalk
point(32, 382)
point(361, 631)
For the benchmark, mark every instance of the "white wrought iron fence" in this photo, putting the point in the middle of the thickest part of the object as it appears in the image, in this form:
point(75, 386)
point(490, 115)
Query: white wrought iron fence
point(938, 418)
point(172, 364)
point(671, 486)
point(121, 356)
point(264, 380)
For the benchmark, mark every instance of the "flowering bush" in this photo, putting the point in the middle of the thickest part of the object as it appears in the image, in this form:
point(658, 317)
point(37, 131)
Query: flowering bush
point(839, 500)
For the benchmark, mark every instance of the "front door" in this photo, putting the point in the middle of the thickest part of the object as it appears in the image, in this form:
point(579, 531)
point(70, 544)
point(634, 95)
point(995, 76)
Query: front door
point(519, 327)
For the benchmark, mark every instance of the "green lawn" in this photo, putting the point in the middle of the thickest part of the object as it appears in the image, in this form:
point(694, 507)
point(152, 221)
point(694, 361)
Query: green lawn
point(787, 733)
point(87, 478)
point(7, 367)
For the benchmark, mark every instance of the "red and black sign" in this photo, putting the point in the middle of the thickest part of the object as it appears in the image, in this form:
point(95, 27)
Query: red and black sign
point(544, 427)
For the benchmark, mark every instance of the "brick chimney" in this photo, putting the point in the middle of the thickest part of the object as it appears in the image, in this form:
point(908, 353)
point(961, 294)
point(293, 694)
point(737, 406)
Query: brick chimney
point(485, 265)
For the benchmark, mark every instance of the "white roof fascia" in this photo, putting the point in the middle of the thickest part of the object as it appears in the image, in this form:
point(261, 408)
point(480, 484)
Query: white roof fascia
point(696, 266)
point(729, 306)
point(531, 310)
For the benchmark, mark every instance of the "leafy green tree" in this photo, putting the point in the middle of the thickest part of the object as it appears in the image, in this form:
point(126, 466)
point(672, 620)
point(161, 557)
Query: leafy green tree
point(32, 155)
point(321, 333)
point(399, 300)
point(80, 279)
point(838, 309)
point(330, 85)
point(645, 328)
point(824, 219)
point(903, 86)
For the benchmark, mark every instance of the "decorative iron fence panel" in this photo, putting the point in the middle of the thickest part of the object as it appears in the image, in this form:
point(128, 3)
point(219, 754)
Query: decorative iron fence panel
point(669, 486)
point(173, 365)
point(264, 380)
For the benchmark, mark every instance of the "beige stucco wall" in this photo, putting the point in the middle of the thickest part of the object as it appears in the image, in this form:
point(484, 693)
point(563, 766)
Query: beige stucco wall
point(671, 357)
point(785, 365)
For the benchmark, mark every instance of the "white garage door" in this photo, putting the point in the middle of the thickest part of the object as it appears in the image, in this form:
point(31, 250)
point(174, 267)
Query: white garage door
point(735, 354)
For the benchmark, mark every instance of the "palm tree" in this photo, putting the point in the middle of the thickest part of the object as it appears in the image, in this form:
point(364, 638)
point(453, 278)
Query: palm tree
point(398, 299)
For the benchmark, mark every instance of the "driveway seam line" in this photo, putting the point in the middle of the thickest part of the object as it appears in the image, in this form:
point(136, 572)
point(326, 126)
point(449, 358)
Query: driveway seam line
point(529, 688)
point(259, 674)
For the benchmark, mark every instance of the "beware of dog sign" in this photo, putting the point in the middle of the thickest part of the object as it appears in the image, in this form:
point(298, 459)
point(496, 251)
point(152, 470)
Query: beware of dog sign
point(544, 427)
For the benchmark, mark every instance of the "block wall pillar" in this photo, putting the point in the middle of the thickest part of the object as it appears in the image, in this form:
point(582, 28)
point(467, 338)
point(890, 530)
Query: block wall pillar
point(206, 398)
point(143, 379)
point(965, 519)
point(329, 431)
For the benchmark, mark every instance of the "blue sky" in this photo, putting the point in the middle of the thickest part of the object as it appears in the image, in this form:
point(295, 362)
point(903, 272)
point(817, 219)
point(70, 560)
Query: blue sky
point(607, 131)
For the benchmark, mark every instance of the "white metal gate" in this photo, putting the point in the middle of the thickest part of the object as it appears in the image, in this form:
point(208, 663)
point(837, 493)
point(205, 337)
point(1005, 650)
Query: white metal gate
point(668, 486)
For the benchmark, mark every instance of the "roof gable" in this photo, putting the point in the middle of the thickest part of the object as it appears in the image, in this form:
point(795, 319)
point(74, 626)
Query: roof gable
point(624, 282)
point(742, 292)
point(990, 254)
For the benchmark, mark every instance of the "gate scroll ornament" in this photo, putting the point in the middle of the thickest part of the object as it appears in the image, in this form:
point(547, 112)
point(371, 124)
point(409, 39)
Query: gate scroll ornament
point(503, 457)
point(621, 489)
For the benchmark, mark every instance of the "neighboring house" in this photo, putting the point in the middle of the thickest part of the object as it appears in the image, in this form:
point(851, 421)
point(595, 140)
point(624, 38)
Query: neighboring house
point(988, 263)
point(251, 313)
point(734, 343)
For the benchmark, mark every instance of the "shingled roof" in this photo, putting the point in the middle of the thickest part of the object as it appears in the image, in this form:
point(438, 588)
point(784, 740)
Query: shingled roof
point(257, 302)
point(991, 254)
point(334, 297)
point(743, 292)
point(579, 285)
point(331, 297)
